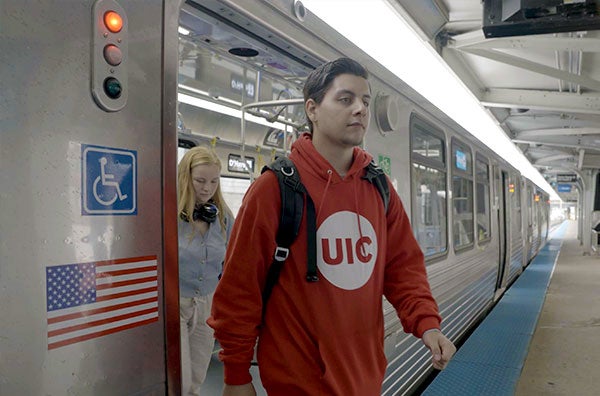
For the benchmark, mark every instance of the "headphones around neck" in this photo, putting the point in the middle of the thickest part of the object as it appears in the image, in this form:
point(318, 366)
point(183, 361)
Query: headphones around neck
point(206, 212)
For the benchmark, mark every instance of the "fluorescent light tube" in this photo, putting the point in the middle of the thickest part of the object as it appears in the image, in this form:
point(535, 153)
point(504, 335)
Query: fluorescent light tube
point(219, 108)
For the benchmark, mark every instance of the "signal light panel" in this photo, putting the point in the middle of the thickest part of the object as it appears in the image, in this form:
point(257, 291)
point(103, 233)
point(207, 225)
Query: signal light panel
point(109, 55)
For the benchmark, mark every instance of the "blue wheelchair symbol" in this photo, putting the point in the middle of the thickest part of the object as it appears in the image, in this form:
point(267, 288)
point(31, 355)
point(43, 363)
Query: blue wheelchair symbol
point(108, 180)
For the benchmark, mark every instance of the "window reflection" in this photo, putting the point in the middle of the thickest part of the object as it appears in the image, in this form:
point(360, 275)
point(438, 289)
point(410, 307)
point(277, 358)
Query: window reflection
point(462, 196)
point(429, 219)
point(483, 200)
point(429, 205)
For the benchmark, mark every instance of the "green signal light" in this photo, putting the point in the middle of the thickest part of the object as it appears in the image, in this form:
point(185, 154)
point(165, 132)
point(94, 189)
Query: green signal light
point(112, 87)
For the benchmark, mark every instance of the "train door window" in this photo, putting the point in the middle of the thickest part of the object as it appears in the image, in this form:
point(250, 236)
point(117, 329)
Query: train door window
point(536, 209)
point(482, 178)
point(429, 217)
point(530, 206)
point(462, 195)
point(515, 198)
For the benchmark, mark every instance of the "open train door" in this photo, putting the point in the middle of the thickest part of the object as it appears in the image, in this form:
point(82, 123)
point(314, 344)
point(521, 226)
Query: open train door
point(500, 202)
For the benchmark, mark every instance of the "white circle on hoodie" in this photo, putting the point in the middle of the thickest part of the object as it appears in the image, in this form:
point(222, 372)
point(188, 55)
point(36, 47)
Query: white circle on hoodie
point(346, 255)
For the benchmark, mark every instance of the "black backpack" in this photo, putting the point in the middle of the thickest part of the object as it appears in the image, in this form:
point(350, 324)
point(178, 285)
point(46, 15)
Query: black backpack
point(292, 203)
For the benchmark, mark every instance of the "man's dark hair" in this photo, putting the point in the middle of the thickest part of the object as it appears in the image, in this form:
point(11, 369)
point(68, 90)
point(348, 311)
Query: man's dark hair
point(319, 80)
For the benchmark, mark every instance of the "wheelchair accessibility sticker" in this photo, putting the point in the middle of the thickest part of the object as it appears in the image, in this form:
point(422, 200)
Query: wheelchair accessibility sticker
point(109, 181)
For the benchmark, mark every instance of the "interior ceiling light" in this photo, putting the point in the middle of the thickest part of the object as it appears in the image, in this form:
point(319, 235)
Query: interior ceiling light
point(424, 70)
point(226, 110)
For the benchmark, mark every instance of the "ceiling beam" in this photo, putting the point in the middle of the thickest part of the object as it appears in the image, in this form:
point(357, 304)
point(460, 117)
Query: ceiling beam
point(535, 67)
point(586, 103)
point(456, 62)
point(476, 40)
point(557, 132)
point(538, 152)
point(591, 161)
point(564, 169)
point(555, 144)
point(552, 158)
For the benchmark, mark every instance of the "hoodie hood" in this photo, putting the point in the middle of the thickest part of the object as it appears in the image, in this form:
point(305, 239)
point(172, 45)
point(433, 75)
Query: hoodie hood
point(307, 159)
point(316, 164)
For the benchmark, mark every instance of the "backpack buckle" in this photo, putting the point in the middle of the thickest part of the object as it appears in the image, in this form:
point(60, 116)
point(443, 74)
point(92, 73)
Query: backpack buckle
point(281, 254)
point(287, 170)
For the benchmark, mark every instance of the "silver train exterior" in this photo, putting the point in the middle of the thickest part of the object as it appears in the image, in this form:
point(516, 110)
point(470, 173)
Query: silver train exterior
point(89, 185)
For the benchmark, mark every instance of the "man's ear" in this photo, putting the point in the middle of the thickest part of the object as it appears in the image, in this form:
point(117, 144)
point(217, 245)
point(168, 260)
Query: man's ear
point(310, 107)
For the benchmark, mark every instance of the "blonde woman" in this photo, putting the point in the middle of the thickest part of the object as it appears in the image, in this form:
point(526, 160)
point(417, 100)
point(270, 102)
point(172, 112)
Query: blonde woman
point(204, 226)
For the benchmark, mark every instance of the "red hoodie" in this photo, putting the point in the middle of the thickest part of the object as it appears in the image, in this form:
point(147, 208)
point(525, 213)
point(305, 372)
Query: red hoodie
point(322, 338)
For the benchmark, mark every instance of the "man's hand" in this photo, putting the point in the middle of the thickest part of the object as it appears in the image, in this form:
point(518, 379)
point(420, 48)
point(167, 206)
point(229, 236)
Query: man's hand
point(239, 390)
point(442, 349)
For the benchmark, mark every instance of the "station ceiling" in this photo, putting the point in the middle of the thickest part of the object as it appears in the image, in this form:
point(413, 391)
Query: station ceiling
point(543, 89)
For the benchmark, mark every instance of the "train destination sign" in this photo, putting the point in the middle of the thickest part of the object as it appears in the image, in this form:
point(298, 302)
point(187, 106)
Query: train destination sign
point(566, 178)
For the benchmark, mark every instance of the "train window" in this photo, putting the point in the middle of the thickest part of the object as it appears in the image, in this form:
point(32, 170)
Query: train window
point(462, 195)
point(482, 177)
point(429, 217)
point(429, 203)
point(529, 206)
point(427, 146)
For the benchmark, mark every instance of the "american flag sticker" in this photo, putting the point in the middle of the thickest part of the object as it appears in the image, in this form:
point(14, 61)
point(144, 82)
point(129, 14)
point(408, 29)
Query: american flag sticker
point(90, 300)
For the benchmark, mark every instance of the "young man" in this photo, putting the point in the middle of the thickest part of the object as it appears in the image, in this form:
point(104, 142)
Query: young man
point(324, 337)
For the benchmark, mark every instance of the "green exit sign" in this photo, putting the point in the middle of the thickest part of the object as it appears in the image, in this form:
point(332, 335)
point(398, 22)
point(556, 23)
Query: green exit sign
point(385, 163)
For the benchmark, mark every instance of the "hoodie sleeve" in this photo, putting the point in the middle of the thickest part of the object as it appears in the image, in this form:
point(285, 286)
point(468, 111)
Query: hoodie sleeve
point(406, 285)
point(236, 312)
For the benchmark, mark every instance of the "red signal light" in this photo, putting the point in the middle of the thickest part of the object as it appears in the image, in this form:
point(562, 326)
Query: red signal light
point(113, 21)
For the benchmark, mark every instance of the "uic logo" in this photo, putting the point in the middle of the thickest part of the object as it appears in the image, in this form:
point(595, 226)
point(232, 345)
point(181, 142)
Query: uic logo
point(351, 249)
point(345, 256)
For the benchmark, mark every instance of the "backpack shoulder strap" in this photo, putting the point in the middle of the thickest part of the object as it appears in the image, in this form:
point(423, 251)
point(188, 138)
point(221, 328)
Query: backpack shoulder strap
point(292, 203)
point(291, 189)
point(375, 175)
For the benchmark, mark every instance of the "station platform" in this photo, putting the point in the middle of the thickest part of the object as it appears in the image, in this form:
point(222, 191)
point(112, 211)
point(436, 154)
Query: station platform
point(542, 338)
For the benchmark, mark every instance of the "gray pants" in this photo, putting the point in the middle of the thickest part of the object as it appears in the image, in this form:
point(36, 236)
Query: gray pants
point(197, 342)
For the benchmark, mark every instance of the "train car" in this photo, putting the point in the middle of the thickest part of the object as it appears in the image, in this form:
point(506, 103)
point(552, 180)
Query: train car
point(94, 109)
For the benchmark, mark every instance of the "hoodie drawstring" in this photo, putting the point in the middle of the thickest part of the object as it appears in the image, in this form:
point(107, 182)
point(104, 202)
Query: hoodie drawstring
point(357, 208)
point(329, 174)
point(354, 188)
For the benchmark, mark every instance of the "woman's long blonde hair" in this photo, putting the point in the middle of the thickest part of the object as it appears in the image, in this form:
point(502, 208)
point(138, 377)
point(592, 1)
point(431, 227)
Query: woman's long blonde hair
point(186, 195)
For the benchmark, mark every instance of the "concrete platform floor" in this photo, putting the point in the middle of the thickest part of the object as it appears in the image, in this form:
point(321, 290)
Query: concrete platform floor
point(564, 354)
